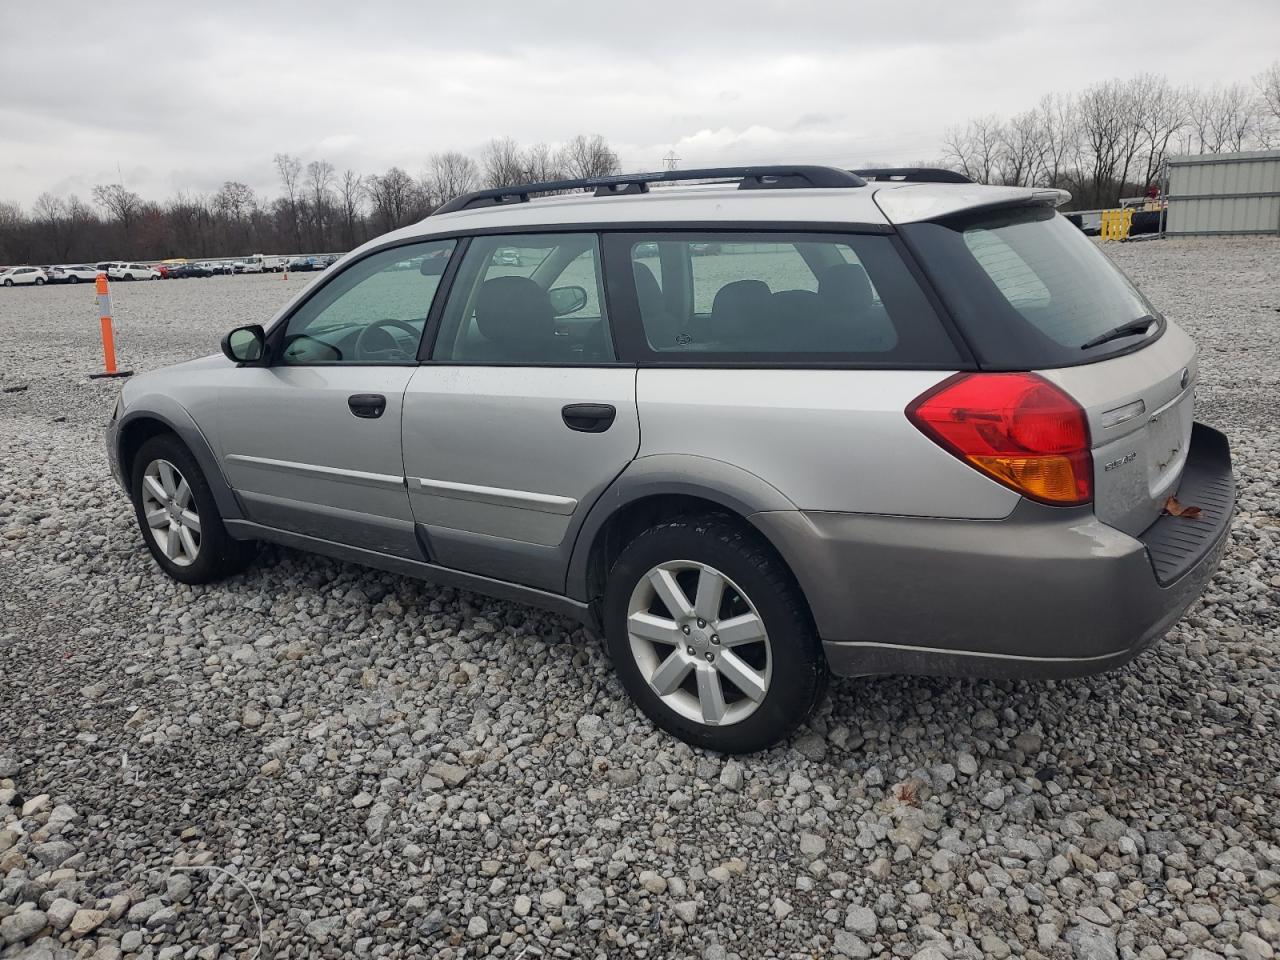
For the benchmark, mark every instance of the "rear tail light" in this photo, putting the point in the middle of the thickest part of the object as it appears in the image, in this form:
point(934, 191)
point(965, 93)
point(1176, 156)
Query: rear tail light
point(1017, 428)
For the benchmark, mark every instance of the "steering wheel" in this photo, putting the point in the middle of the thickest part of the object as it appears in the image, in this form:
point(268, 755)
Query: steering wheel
point(374, 339)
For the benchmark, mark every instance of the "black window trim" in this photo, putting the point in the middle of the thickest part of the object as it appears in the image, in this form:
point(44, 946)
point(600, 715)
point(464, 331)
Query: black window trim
point(908, 241)
point(276, 332)
point(621, 306)
point(635, 350)
point(434, 319)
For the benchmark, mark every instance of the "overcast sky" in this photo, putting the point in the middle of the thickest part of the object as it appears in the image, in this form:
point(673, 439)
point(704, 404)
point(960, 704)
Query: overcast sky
point(184, 96)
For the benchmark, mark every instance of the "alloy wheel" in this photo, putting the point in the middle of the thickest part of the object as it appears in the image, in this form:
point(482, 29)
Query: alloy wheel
point(699, 642)
point(170, 512)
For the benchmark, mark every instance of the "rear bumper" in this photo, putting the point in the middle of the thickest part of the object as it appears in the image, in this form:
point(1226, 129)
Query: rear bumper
point(1046, 592)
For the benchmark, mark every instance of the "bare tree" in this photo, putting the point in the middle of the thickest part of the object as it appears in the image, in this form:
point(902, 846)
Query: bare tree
point(1226, 119)
point(290, 169)
point(1163, 114)
point(1021, 149)
point(589, 156)
point(351, 194)
point(51, 212)
point(395, 198)
point(502, 163)
point(235, 202)
point(319, 196)
point(122, 204)
point(1268, 84)
point(541, 164)
point(1060, 129)
point(975, 148)
point(449, 175)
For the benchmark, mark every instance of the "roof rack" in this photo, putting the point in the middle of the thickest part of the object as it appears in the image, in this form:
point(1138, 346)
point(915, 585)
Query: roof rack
point(749, 178)
point(912, 174)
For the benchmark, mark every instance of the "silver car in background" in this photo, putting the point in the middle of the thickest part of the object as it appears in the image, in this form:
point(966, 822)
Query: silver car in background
point(791, 422)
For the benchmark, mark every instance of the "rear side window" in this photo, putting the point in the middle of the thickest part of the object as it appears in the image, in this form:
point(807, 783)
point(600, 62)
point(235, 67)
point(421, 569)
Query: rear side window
point(759, 297)
point(1028, 288)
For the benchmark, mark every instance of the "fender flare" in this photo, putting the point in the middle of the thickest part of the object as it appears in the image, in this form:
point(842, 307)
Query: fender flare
point(166, 410)
point(722, 483)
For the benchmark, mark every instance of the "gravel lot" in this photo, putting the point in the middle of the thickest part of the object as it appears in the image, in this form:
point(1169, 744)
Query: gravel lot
point(393, 769)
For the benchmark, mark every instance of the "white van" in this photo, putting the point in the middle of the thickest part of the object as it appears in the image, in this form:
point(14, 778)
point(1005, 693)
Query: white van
point(261, 263)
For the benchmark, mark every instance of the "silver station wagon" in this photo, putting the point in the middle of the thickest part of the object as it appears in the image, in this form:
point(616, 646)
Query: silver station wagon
point(777, 424)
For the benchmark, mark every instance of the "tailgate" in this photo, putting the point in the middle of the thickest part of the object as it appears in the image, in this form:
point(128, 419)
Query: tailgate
point(1140, 410)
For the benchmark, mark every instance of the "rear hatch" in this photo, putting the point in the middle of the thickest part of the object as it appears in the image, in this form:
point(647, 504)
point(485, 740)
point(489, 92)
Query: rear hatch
point(1031, 293)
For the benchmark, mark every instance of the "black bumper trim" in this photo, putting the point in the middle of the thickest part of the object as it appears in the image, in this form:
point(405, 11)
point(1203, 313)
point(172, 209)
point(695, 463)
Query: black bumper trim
point(1175, 544)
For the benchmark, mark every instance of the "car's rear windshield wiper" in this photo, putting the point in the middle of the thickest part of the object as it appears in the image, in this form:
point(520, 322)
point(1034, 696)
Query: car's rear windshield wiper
point(1141, 325)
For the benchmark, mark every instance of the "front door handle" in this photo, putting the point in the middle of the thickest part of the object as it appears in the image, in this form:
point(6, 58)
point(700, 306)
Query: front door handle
point(589, 417)
point(368, 406)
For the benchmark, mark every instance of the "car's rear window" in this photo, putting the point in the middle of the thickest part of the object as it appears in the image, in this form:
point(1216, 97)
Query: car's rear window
point(1027, 288)
point(766, 297)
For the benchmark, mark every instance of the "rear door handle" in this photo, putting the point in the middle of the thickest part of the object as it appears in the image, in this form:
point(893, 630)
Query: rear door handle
point(368, 406)
point(589, 417)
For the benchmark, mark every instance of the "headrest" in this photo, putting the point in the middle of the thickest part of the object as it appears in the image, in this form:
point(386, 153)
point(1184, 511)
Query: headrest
point(741, 296)
point(514, 310)
point(846, 284)
point(647, 290)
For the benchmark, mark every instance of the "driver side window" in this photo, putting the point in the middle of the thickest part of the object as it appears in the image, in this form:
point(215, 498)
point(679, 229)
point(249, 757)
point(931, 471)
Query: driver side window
point(373, 312)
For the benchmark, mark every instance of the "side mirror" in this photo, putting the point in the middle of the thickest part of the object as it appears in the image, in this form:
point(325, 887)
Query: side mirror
point(245, 344)
point(565, 300)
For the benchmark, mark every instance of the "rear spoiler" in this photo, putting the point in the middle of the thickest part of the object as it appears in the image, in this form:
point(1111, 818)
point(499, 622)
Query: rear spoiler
point(915, 202)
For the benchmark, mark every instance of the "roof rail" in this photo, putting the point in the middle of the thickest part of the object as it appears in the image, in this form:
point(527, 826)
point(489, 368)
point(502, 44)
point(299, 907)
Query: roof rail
point(912, 174)
point(749, 178)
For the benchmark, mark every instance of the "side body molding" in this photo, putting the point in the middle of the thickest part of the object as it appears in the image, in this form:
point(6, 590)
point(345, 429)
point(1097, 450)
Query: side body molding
point(166, 410)
point(665, 475)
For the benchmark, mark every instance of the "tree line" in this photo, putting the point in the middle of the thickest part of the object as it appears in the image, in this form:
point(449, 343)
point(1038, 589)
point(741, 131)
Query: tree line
point(1105, 142)
point(318, 208)
point(1111, 139)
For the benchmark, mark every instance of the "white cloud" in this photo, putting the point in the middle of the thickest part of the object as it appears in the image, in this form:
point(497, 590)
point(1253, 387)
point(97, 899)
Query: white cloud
point(185, 101)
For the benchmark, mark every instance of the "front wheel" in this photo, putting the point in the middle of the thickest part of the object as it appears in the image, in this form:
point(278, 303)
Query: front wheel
point(711, 636)
point(39, 281)
point(73, 279)
point(8, 282)
point(178, 516)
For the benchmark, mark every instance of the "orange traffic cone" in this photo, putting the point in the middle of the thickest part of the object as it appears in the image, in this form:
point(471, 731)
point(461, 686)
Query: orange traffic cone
point(108, 336)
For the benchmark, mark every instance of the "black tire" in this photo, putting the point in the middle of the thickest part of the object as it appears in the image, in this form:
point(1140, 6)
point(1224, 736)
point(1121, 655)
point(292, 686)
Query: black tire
point(39, 281)
point(73, 279)
point(219, 555)
point(799, 667)
point(8, 282)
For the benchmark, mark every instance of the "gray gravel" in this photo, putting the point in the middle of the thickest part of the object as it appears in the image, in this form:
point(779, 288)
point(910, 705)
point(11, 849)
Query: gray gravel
point(385, 768)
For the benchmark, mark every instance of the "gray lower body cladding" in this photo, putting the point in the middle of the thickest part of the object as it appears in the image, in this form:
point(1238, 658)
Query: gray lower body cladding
point(1046, 592)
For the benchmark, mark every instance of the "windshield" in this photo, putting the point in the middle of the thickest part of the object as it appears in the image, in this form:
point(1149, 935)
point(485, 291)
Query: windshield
point(1028, 289)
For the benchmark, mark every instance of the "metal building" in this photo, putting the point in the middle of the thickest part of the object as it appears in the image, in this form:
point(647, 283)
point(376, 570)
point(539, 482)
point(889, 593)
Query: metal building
point(1218, 194)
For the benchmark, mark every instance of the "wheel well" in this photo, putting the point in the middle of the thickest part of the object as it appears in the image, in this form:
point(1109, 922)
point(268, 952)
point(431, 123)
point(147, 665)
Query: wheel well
point(134, 434)
point(632, 520)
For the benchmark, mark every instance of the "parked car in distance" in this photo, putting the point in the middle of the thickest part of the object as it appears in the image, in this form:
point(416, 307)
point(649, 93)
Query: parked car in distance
point(72, 273)
point(507, 257)
point(853, 427)
point(23, 276)
point(105, 267)
point(162, 269)
point(183, 270)
point(247, 265)
point(132, 271)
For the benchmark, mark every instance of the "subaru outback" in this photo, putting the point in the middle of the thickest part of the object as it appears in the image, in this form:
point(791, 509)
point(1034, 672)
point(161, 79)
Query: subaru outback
point(777, 424)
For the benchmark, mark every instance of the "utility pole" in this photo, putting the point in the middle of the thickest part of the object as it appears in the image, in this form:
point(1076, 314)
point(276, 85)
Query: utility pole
point(671, 160)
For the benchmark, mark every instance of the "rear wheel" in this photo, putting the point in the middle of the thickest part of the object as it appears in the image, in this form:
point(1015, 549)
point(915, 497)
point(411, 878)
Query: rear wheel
point(73, 279)
point(39, 281)
point(8, 282)
point(711, 636)
point(178, 516)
